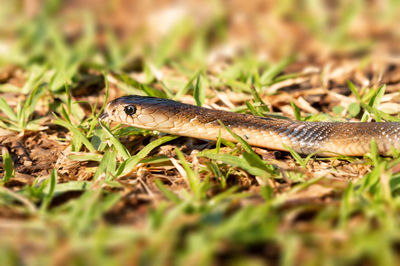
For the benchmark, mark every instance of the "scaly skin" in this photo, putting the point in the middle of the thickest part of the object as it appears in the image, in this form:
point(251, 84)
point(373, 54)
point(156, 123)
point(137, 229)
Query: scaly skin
point(324, 138)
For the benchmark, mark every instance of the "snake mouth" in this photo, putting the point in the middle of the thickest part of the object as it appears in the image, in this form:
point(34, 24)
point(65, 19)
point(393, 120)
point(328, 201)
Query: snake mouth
point(103, 116)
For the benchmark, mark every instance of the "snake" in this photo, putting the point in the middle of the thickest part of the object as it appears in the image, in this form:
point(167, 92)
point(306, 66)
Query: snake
point(304, 137)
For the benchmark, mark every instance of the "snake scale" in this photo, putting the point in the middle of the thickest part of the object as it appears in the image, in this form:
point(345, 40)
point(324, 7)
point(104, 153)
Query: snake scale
point(324, 138)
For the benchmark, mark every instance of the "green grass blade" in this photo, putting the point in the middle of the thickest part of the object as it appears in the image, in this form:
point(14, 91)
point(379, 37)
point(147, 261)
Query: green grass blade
point(199, 92)
point(69, 186)
point(49, 196)
point(268, 75)
point(85, 156)
point(79, 137)
point(296, 111)
point(374, 102)
point(252, 109)
point(346, 204)
point(35, 77)
point(127, 166)
point(296, 156)
point(187, 87)
point(257, 99)
point(8, 166)
point(194, 181)
point(8, 110)
point(250, 155)
point(148, 90)
point(167, 193)
point(237, 162)
point(107, 165)
point(353, 89)
point(122, 150)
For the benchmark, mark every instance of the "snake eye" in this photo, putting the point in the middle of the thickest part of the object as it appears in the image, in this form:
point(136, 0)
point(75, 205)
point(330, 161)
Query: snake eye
point(130, 109)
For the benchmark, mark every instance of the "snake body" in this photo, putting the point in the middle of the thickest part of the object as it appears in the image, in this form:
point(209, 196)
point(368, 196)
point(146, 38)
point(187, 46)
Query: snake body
point(324, 138)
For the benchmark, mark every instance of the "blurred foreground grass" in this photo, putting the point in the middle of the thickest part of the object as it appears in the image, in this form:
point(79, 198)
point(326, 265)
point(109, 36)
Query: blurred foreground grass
point(196, 203)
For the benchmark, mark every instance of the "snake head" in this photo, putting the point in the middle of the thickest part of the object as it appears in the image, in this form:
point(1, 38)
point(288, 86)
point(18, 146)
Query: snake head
point(138, 111)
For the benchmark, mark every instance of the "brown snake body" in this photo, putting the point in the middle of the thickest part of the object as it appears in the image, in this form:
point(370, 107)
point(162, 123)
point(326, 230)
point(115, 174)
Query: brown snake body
point(324, 138)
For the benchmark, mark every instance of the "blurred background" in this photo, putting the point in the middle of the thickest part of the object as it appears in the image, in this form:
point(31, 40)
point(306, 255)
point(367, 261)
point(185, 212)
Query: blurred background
point(164, 30)
point(153, 37)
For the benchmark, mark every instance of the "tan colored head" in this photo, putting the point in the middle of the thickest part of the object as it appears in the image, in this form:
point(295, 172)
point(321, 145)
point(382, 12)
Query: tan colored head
point(138, 111)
